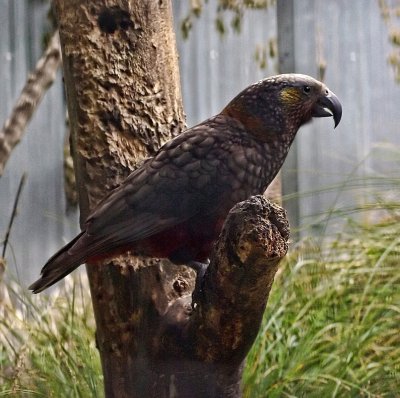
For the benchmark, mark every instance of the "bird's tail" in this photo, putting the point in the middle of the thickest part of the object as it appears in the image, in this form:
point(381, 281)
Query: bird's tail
point(59, 266)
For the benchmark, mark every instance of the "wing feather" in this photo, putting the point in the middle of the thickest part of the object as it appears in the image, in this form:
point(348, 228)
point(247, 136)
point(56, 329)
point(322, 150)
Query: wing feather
point(185, 179)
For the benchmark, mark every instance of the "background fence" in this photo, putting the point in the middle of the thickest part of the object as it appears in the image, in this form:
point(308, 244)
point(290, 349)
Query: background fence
point(349, 38)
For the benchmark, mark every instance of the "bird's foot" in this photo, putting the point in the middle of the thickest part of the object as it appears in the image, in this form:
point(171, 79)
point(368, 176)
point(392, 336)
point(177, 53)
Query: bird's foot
point(200, 269)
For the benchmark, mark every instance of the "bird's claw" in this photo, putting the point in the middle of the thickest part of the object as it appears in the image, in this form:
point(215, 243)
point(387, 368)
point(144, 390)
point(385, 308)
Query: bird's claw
point(200, 269)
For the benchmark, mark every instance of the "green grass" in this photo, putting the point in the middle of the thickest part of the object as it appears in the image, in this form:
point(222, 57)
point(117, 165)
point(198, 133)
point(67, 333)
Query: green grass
point(331, 328)
point(47, 347)
point(332, 324)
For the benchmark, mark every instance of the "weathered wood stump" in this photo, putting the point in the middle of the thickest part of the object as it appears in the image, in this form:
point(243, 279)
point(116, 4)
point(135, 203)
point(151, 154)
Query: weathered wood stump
point(169, 346)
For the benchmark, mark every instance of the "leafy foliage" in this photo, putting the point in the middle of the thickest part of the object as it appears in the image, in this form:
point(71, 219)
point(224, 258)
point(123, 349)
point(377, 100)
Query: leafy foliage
point(390, 10)
point(235, 8)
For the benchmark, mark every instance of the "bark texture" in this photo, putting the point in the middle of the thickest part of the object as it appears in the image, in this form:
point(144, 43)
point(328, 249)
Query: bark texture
point(122, 81)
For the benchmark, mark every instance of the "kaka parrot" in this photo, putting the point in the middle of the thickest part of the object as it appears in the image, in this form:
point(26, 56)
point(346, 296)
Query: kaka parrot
point(175, 204)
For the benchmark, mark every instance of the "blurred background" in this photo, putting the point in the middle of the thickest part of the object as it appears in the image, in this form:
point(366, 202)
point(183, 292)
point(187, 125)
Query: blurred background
point(223, 47)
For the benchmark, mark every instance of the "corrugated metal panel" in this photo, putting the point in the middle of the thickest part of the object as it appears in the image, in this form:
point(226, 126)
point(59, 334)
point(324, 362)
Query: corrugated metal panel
point(350, 36)
point(213, 68)
point(41, 225)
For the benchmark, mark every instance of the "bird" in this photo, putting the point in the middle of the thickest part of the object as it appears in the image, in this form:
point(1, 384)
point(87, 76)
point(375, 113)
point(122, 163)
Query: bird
point(174, 205)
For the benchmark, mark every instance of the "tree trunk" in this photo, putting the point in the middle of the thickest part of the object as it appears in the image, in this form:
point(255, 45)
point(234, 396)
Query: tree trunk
point(122, 81)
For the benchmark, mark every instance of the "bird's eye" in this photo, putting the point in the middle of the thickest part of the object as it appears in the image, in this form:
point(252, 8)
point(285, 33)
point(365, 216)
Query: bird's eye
point(307, 89)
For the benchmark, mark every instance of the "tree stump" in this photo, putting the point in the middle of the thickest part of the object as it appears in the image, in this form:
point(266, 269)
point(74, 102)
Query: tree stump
point(176, 342)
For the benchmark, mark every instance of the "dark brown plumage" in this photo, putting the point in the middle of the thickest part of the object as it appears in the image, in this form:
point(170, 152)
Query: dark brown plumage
point(174, 205)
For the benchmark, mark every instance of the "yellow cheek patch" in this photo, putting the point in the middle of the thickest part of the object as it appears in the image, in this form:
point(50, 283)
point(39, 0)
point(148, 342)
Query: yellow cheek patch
point(290, 95)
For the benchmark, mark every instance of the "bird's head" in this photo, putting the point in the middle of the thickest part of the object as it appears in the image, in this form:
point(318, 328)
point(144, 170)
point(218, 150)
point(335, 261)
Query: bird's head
point(280, 104)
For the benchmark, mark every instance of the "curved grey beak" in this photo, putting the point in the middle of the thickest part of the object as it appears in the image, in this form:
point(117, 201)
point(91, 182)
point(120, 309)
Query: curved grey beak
point(328, 105)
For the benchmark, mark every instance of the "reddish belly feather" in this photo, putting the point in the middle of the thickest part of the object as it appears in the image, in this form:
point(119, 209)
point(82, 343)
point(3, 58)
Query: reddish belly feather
point(192, 240)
